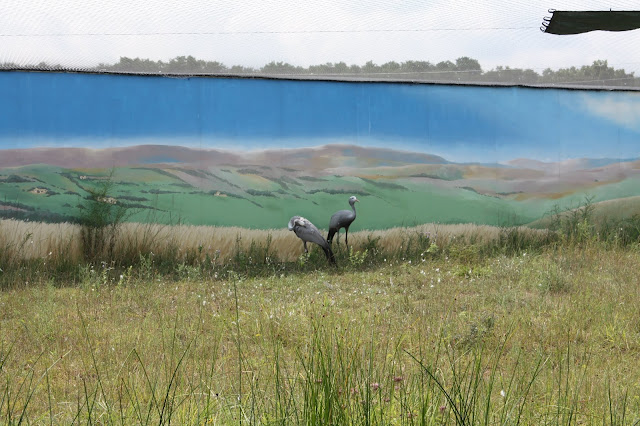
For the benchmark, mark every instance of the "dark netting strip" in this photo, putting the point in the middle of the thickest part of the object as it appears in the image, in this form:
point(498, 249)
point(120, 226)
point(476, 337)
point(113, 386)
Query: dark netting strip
point(578, 22)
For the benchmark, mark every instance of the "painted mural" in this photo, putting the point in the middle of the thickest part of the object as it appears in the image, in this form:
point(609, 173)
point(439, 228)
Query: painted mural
point(254, 152)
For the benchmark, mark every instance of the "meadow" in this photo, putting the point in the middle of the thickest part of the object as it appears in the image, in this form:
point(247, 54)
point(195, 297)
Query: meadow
point(436, 324)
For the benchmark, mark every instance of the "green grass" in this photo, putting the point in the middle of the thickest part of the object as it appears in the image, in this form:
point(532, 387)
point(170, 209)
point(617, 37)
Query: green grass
point(550, 336)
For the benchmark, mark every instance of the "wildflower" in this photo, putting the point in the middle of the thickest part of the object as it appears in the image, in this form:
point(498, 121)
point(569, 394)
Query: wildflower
point(375, 386)
point(503, 393)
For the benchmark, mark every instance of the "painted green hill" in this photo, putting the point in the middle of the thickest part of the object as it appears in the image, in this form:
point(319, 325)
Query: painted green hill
point(257, 191)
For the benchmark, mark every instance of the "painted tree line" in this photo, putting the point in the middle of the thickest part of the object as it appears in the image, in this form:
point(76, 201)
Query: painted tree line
point(464, 69)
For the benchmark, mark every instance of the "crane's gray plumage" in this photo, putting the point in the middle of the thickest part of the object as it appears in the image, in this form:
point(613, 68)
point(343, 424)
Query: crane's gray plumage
point(342, 219)
point(307, 232)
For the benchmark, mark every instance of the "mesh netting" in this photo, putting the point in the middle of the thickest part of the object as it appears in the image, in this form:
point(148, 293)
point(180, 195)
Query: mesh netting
point(463, 41)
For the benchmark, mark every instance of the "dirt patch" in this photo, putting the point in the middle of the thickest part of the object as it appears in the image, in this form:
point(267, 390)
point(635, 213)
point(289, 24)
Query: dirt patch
point(16, 209)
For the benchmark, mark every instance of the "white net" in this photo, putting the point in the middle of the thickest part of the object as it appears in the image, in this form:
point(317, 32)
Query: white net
point(454, 41)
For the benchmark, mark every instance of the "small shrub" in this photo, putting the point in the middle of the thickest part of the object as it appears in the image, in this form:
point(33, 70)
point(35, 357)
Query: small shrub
point(513, 241)
point(146, 267)
point(100, 219)
point(357, 258)
point(465, 253)
point(372, 248)
point(189, 272)
point(621, 232)
point(554, 280)
point(575, 225)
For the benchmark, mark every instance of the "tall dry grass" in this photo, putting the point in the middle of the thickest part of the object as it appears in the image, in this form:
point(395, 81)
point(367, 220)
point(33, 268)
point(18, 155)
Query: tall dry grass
point(20, 241)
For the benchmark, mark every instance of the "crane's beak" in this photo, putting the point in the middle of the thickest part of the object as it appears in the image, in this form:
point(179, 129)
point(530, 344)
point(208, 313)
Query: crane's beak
point(357, 201)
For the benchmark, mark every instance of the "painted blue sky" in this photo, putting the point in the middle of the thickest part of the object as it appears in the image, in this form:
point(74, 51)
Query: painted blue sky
point(460, 123)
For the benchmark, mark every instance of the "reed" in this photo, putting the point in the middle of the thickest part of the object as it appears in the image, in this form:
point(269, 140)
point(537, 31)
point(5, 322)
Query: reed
point(33, 240)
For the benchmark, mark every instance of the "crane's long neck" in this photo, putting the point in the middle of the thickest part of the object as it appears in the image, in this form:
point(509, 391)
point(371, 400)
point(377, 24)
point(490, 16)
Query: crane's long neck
point(353, 207)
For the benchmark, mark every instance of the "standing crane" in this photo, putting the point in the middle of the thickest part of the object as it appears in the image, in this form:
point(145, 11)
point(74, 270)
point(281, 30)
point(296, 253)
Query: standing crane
point(342, 219)
point(307, 232)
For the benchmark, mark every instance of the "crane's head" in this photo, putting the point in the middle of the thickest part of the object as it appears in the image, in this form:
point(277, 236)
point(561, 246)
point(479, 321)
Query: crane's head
point(353, 199)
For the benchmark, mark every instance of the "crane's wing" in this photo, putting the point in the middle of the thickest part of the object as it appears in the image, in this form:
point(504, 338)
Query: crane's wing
point(293, 221)
point(306, 231)
point(340, 218)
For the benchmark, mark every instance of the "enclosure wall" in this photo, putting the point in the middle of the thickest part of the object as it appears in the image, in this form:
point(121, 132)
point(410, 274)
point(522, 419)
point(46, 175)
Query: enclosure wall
point(254, 152)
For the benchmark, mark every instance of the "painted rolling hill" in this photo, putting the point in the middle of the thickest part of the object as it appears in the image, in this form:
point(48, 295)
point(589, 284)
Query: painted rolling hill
point(312, 158)
point(262, 189)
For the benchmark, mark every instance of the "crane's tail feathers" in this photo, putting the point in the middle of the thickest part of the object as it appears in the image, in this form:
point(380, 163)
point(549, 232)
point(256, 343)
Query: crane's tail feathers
point(329, 253)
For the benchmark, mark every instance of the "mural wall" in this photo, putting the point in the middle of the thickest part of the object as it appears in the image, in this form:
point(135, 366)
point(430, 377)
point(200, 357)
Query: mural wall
point(253, 152)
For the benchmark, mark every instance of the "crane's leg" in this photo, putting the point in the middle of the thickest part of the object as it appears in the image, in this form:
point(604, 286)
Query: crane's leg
point(330, 235)
point(346, 237)
point(305, 247)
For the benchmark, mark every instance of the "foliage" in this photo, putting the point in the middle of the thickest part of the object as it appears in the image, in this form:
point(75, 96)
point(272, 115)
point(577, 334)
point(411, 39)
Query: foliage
point(100, 219)
point(463, 69)
point(580, 226)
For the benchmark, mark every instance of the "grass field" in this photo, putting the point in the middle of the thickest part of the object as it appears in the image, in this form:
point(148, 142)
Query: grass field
point(540, 338)
point(438, 324)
